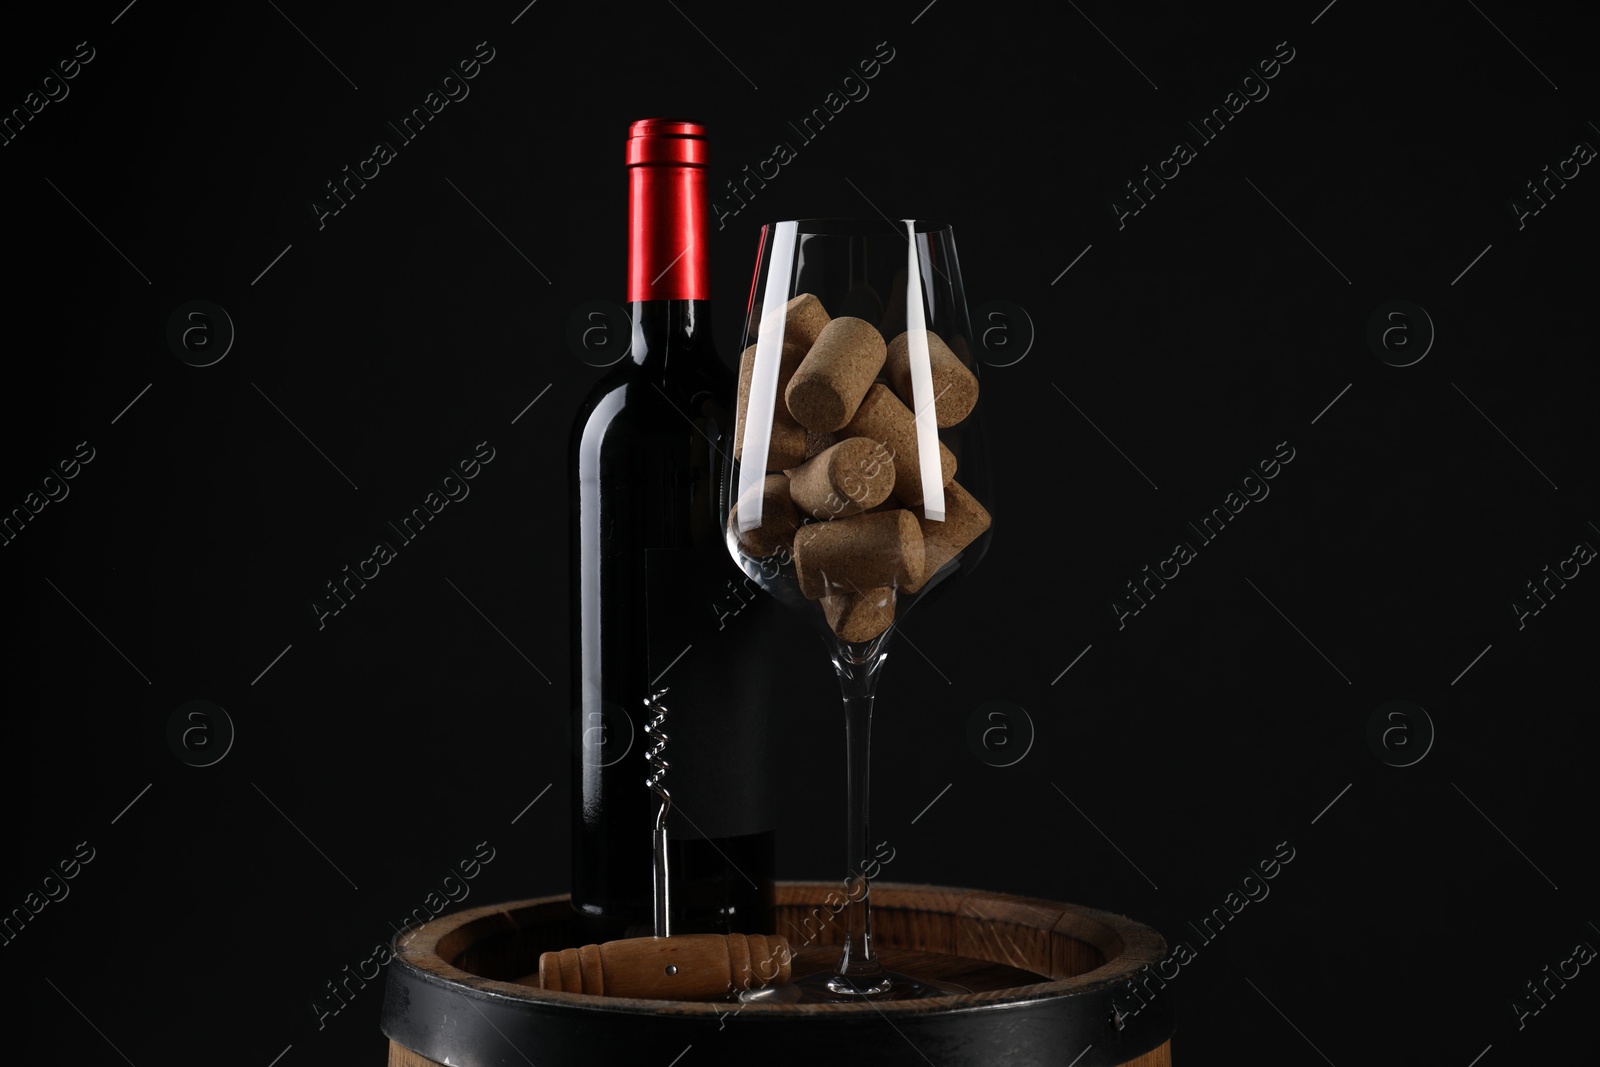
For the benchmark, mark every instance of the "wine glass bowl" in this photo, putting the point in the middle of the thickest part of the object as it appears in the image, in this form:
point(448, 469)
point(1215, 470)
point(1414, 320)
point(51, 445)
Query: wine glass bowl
point(859, 394)
point(809, 274)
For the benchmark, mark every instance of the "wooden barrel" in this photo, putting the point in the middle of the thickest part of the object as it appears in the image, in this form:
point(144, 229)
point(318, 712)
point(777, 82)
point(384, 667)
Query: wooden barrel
point(1051, 984)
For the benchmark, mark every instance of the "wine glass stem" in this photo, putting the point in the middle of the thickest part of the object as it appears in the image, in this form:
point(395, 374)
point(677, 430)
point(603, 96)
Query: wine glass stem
point(857, 960)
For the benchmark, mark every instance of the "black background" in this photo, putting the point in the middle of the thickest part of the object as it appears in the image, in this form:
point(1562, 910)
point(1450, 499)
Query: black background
point(1209, 328)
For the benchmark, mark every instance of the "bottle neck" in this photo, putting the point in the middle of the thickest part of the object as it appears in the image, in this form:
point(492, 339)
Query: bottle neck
point(669, 276)
point(667, 246)
point(672, 334)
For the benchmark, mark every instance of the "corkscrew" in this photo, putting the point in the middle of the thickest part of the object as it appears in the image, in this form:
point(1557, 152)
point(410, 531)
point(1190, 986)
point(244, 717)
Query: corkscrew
point(656, 758)
point(686, 967)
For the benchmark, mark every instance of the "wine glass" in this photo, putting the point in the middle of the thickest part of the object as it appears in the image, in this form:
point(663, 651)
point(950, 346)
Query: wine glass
point(859, 388)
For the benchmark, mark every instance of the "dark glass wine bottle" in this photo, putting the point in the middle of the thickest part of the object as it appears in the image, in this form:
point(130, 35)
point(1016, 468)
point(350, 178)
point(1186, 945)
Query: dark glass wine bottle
point(657, 602)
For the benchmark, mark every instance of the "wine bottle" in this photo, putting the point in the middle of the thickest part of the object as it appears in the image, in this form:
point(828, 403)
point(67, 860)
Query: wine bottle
point(653, 587)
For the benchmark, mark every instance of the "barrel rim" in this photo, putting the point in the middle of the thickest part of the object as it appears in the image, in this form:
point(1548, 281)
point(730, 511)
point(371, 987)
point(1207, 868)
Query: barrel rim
point(1135, 945)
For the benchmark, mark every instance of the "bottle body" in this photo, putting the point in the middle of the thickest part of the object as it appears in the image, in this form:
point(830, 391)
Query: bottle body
point(649, 568)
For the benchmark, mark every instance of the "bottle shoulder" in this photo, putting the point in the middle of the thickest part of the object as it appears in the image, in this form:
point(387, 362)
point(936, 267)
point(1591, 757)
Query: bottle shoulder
point(646, 399)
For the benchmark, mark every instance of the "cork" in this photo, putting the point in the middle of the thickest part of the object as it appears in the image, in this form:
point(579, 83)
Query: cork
point(854, 475)
point(859, 553)
point(964, 522)
point(817, 442)
point(955, 387)
point(883, 418)
point(860, 616)
point(788, 444)
point(836, 374)
point(803, 318)
point(682, 967)
point(779, 520)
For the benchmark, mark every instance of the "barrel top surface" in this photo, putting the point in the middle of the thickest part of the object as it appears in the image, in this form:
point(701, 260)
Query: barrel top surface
point(1045, 976)
point(1126, 946)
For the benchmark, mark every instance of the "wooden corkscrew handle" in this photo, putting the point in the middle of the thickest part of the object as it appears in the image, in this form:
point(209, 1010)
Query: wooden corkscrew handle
point(682, 967)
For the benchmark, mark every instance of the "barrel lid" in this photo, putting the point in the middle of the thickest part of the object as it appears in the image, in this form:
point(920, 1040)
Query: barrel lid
point(1109, 1015)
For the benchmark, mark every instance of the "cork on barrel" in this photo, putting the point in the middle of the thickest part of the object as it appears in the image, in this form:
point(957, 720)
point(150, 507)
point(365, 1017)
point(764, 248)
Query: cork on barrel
point(788, 443)
point(858, 553)
point(853, 476)
point(837, 372)
point(803, 318)
point(955, 387)
point(684, 967)
point(965, 520)
point(884, 418)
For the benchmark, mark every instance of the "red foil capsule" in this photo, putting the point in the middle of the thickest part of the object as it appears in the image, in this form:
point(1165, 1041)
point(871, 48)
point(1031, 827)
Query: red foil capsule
point(667, 211)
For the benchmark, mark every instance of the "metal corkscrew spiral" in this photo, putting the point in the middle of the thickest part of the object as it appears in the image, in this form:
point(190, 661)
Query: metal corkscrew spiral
point(655, 757)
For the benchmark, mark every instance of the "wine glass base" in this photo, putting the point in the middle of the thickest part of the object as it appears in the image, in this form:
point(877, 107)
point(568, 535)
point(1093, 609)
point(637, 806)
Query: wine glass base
point(826, 987)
